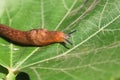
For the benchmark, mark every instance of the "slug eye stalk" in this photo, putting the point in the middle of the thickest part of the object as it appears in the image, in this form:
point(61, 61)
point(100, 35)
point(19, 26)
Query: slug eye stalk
point(66, 40)
point(69, 34)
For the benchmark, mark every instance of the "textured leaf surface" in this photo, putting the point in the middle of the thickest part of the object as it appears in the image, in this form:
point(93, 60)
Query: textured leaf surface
point(95, 54)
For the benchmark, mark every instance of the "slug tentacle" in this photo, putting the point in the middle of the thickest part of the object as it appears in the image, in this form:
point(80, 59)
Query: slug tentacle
point(69, 34)
point(35, 37)
point(66, 39)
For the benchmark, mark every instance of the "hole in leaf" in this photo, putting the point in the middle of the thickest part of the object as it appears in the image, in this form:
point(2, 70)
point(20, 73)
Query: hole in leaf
point(3, 70)
point(22, 76)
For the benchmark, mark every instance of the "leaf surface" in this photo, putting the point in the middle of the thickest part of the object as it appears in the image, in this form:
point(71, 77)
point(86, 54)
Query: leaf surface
point(95, 54)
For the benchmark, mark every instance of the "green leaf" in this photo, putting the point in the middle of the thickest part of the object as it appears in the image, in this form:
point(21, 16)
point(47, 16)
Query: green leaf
point(95, 54)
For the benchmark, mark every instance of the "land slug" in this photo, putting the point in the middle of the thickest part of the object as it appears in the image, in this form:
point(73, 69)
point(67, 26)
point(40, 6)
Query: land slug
point(34, 37)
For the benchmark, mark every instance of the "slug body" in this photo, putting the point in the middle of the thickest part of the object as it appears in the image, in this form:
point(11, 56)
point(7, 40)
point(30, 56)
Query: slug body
point(35, 37)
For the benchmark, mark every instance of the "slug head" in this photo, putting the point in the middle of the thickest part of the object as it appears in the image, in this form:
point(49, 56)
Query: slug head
point(43, 37)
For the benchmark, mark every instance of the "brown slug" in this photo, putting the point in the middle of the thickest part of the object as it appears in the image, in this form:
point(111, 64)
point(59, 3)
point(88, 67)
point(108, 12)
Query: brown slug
point(34, 37)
